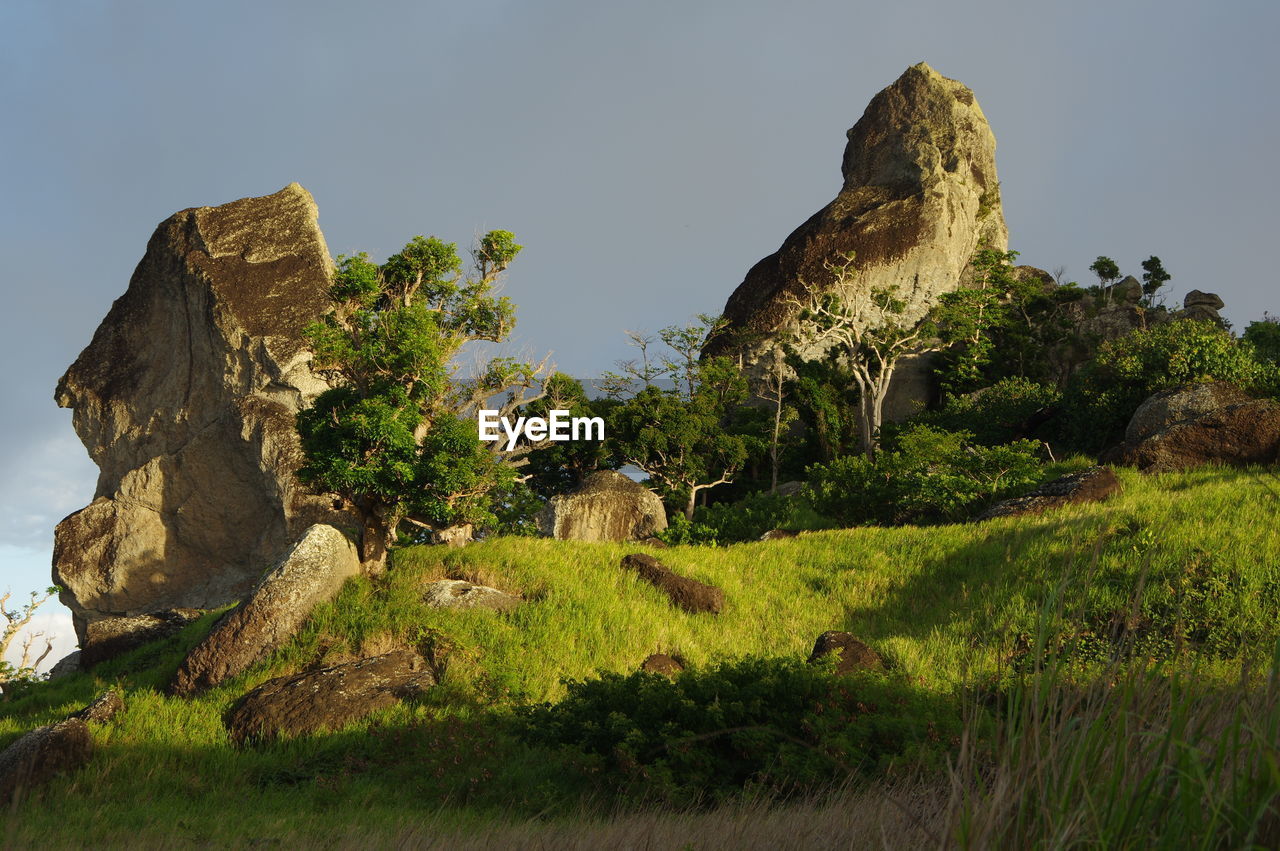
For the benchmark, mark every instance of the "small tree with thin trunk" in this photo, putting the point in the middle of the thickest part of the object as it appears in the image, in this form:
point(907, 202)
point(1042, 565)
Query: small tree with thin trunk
point(868, 329)
point(16, 620)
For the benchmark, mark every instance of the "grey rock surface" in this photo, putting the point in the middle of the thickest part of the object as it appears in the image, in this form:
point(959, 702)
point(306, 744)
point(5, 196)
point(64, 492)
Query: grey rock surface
point(460, 594)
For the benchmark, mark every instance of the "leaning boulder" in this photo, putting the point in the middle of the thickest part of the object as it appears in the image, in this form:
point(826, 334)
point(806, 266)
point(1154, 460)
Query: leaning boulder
point(689, 594)
point(920, 196)
point(460, 594)
point(312, 573)
point(1218, 427)
point(850, 652)
point(608, 507)
point(328, 698)
point(42, 754)
point(104, 708)
point(1091, 485)
point(186, 400)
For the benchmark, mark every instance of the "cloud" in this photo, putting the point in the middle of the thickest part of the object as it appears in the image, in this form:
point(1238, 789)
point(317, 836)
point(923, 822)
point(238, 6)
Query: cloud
point(47, 477)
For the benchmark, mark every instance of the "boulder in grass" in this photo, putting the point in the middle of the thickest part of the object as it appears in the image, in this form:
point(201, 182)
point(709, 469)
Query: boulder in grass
point(661, 663)
point(42, 754)
point(1091, 485)
point(689, 594)
point(608, 507)
point(851, 653)
point(460, 594)
point(329, 698)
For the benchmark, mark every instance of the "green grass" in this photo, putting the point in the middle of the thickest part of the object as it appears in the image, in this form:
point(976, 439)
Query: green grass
point(950, 607)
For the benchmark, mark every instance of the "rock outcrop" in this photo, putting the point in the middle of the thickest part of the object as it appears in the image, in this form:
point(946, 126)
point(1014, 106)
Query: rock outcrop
point(689, 594)
point(186, 400)
point(311, 573)
point(920, 195)
point(608, 507)
point(662, 663)
point(1198, 424)
point(1202, 306)
point(460, 594)
point(1091, 485)
point(328, 698)
point(850, 652)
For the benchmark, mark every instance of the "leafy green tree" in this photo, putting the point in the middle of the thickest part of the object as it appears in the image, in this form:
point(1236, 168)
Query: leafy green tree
point(561, 467)
point(1106, 269)
point(867, 329)
point(1154, 276)
point(1264, 336)
point(687, 439)
point(397, 435)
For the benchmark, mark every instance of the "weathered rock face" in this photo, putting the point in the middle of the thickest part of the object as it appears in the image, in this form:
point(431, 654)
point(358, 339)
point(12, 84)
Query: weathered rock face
point(312, 573)
point(186, 400)
point(920, 195)
point(1091, 485)
point(328, 698)
point(608, 507)
point(1199, 424)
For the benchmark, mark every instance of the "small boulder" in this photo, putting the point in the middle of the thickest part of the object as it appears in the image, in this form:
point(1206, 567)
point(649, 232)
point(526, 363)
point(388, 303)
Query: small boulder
point(851, 653)
point(778, 534)
point(328, 698)
point(661, 663)
point(104, 708)
point(42, 754)
point(608, 507)
point(655, 542)
point(1091, 485)
point(460, 594)
point(688, 594)
point(107, 638)
point(311, 573)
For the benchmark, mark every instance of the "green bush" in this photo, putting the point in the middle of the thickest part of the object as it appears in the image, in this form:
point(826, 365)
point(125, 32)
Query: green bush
point(1102, 397)
point(774, 724)
point(995, 414)
point(744, 520)
point(932, 476)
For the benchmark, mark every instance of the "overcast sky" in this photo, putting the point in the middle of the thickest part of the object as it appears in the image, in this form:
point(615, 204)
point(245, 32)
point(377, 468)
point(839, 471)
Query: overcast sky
point(646, 154)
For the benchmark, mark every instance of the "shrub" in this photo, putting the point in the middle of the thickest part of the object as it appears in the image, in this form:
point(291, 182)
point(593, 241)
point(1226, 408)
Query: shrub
point(744, 520)
point(932, 476)
point(995, 414)
point(1102, 397)
point(776, 724)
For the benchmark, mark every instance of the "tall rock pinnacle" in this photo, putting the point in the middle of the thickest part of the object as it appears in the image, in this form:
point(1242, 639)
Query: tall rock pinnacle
point(920, 195)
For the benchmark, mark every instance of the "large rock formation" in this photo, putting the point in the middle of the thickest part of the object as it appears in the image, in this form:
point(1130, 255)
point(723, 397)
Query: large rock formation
point(313, 572)
point(186, 400)
point(920, 195)
point(608, 507)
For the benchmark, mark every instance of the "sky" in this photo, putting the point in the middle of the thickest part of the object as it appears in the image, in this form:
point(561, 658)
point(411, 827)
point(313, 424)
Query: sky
point(646, 155)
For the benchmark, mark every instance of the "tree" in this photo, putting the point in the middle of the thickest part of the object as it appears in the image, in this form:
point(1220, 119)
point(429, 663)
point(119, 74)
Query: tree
point(397, 435)
point(686, 438)
point(867, 327)
point(15, 620)
point(773, 390)
point(1154, 276)
point(561, 467)
point(1106, 270)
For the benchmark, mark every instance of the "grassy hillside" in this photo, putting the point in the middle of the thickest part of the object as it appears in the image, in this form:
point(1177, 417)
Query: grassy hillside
point(1181, 569)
